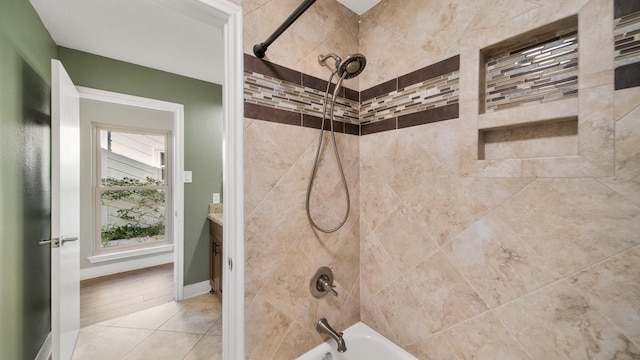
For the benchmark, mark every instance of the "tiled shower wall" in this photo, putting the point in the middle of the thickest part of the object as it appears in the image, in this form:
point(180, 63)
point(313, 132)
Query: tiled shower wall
point(450, 266)
point(461, 267)
point(281, 249)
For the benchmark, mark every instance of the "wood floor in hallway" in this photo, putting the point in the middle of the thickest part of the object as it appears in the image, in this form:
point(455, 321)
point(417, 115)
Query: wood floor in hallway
point(113, 296)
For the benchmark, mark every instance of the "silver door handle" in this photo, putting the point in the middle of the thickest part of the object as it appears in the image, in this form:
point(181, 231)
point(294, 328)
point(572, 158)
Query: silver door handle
point(57, 242)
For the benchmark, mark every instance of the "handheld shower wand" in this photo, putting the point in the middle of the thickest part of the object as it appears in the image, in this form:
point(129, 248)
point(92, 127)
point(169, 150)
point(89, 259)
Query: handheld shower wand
point(351, 67)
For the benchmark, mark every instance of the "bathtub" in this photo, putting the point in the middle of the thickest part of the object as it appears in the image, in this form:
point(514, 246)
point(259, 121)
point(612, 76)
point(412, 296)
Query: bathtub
point(362, 343)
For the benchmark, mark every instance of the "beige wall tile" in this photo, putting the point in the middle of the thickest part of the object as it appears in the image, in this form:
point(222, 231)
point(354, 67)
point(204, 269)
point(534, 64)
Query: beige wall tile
point(596, 127)
point(627, 137)
point(484, 337)
point(264, 319)
point(612, 288)
point(407, 317)
point(299, 339)
point(375, 209)
point(371, 315)
point(549, 140)
point(596, 45)
point(287, 287)
point(446, 204)
point(626, 101)
point(558, 322)
point(269, 158)
point(497, 262)
point(442, 292)
point(377, 268)
point(435, 347)
point(571, 223)
point(405, 239)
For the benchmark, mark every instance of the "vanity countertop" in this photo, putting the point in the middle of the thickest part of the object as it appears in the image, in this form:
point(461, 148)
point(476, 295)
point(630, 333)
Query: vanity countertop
point(215, 213)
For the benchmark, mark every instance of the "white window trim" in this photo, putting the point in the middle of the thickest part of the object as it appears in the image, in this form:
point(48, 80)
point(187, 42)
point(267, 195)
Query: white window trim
point(130, 253)
point(98, 189)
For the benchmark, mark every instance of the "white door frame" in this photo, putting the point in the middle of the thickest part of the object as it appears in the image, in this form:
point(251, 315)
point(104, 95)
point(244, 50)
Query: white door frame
point(233, 179)
point(177, 165)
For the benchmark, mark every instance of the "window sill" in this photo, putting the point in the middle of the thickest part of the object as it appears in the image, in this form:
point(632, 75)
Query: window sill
point(129, 253)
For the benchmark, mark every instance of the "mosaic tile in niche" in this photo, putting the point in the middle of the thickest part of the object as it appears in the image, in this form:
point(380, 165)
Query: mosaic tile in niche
point(544, 69)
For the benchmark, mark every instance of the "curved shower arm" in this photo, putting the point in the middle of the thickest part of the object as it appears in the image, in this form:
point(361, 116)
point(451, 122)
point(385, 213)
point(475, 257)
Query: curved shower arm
point(260, 49)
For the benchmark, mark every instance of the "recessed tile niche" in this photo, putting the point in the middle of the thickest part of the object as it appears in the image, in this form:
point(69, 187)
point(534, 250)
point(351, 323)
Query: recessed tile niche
point(538, 101)
point(534, 68)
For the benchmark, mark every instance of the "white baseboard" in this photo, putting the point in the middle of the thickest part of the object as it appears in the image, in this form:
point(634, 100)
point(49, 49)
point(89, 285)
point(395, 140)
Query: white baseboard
point(46, 349)
point(196, 289)
point(109, 269)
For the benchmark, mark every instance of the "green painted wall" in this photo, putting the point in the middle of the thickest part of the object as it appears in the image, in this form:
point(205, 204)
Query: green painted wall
point(203, 135)
point(26, 50)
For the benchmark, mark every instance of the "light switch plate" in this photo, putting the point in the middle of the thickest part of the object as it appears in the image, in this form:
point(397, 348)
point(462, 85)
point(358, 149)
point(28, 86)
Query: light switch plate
point(188, 177)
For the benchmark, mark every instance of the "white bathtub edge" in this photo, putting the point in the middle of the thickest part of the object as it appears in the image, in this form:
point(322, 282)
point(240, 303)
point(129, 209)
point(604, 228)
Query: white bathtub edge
point(358, 329)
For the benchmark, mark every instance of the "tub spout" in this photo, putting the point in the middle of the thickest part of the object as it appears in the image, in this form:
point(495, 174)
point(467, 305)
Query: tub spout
point(323, 327)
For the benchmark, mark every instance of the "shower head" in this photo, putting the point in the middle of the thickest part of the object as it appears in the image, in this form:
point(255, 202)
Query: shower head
point(352, 66)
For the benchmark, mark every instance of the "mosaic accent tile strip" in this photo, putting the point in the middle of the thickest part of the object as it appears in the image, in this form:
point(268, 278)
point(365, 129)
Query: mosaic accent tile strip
point(432, 93)
point(272, 92)
point(275, 93)
point(627, 39)
point(627, 48)
point(542, 72)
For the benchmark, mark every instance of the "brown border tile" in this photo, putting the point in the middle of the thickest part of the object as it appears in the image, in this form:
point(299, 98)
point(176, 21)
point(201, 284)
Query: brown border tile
point(351, 95)
point(441, 113)
point(352, 129)
point(378, 126)
point(627, 76)
point(429, 72)
point(318, 84)
point(338, 126)
point(315, 122)
point(253, 64)
point(380, 89)
point(625, 7)
point(259, 112)
point(311, 121)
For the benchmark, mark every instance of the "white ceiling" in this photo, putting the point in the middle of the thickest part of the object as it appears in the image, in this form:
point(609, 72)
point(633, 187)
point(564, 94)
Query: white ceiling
point(159, 34)
point(359, 6)
point(150, 33)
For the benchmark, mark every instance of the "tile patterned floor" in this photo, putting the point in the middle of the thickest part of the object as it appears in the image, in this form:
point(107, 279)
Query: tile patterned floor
point(186, 330)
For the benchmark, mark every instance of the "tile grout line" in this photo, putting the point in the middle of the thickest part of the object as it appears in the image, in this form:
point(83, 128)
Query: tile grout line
point(597, 308)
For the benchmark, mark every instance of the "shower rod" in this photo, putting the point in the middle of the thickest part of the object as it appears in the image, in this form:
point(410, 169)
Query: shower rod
point(260, 49)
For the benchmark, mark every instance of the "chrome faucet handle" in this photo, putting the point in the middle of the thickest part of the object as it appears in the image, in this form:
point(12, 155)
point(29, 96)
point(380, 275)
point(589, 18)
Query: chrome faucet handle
point(322, 283)
point(327, 287)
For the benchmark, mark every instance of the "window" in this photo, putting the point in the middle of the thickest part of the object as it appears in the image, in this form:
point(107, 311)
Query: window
point(131, 189)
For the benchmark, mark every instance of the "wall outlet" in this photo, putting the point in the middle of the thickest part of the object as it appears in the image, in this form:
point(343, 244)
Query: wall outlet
point(216, 198)
point(188, 177)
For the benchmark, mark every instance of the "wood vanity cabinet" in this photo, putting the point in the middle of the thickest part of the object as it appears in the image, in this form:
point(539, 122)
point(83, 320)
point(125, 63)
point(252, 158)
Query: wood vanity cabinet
point(215, 258)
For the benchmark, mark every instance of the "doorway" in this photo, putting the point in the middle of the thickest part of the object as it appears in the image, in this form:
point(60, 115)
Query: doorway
point(228, 16)
point(105, 115)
